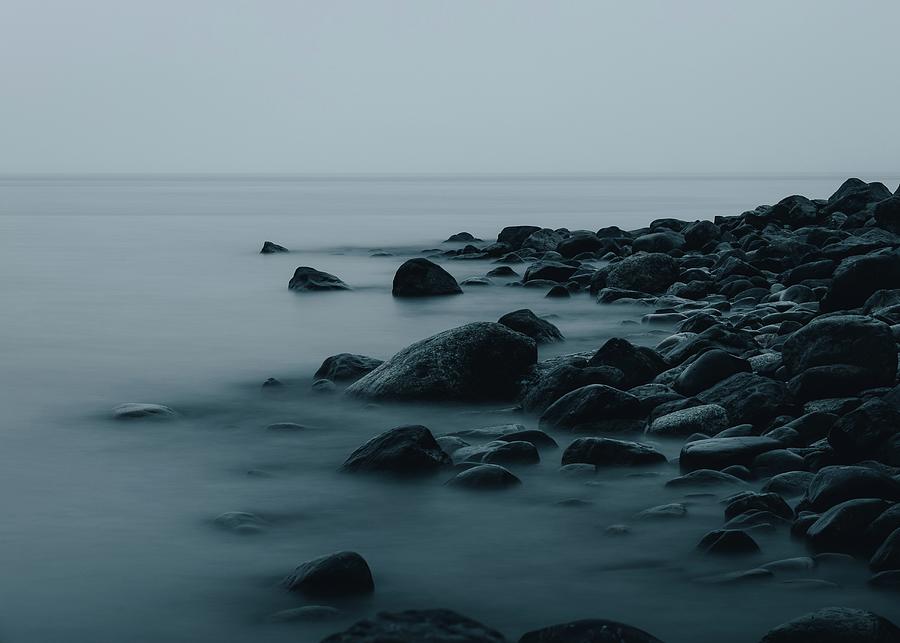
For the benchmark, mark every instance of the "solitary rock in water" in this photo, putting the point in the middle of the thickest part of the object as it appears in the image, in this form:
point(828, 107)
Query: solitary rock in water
point(307, 279)
point(133, 411)
point(835, 625)
point(526, 322)
point(417, 626)
point(240, 522)
point(422, 278)
point(406, 450)
point(478, 361)
point(346, 367)
point(344, 573)
point(464, 237)
point(485, 476)
point(592, 630)
point(270, 248)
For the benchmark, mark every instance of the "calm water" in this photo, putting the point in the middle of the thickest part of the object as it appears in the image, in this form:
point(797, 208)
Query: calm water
point(151, 290)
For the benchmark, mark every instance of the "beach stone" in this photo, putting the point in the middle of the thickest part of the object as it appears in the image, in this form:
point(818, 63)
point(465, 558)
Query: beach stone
point(709, 369)
point(475, 362)
point(589, 631)
point(888, 555)
point(269, 248)
point(857, 278)
point(423, 278)
point(344, 573)
point(405, 450)
point(705, 478)
point(638, 364)
point(838, 483)
point(706, 417)
point(543, 240)
point(841, 528)
point(665, 241)
point(461, 237)
point(417, 626)
point(138, 411)
point(728, 541)
point(485, 477)
point(500, 452)
point(882, 527)
point(308, 279)
point(835, 625)
point(515, 236)
point(749, 398)
point(538, 438)
point(718, 453)
point(526, 322)
point(748, 501)
point(606, 452)
point(549, 385)
point(863, 432)
point(552, 271)
point(591, 408)
point(647, 273)
point(790, 483)
point(346, 367)
point(581, 241)
point(663, 512)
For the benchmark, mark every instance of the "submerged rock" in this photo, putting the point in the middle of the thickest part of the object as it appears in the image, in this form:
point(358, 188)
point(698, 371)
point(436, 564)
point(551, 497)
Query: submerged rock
point(417, 626)
point(308, 279)
point(728, 541)
point(593, 630)
point(835, 625)
point(269, 248)
point(718, 453)
point(607, 452)
point(344, 573)
point(134, 411)
point(422, 278)
point(405, 450)
point(485, 477)
point(478, 361)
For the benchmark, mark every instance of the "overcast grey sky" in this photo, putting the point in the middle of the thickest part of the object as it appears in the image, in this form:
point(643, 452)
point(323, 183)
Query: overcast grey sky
point(449, 86)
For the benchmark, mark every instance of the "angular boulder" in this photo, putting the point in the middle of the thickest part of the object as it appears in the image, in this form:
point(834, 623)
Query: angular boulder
point(405, 450)
point(593, 408)
point(308, 279)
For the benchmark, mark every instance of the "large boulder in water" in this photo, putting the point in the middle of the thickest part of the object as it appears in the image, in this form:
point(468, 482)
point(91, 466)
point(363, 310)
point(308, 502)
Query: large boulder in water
point(639, 364)
point(307, 279)
point(836, 484)
point(593, 630)
point(543, 240)
point(478, 361)
point(843, 339)
point(417, 626)
point(549, 384)
point(594, 408)
point(346, 367)
point(526, 322)
point(855, 195)
point(344, 573)
point(835, 625)
point(856, 278)
point(549, 271)
point(422, 278)
point(514, 236)
point(653, 273)
point(405, 450)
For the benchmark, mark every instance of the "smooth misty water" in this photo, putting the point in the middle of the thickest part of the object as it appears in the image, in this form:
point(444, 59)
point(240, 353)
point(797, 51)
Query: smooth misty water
point(118, 290)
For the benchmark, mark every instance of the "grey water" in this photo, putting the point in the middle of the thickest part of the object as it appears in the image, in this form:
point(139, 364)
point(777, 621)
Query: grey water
point(151, 289)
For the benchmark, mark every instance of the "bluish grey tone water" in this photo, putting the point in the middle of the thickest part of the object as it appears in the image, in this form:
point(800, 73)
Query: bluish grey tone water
point(151, 290)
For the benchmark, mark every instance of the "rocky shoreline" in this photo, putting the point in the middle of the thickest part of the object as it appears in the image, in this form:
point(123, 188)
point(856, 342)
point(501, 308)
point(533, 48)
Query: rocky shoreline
point(779, 379)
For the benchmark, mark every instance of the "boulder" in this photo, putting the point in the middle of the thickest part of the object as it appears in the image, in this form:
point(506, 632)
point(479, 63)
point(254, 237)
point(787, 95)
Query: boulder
point(664, 241)
point(861, 433)
point(593, 408)
point(704, 478)
point(728, 541)
point(346, 367)
point(606, 452)
point(708, 418)
point(422, 278)
point(855, 195)
point(554, 271)
point(639, 364)
point(344, 573)
point(503, 452)
point(485, 477)
point(515, 236)
point(546, 387)
point(405, 450)
point(857, 278)
point(417, 626)
point(589, 631)
point(709, 369)
point(718, 453)
point(835, 625)
point(543, 240)
point(269, 248)
point(461, 237)
point(887, 213)
point(887, 557)
point(752, 501)
point(308, 279)
point(649, 273)
point(581, 241)
point(699, 233)
point(526, 322)
point(478, 361)
point(749, 398)
point(836, 484)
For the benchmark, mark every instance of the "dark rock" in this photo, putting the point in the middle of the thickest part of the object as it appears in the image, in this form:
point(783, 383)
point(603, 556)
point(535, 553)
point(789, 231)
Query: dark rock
point(546, 388)
point(308, 279)
point(836, 484)
point(790, 483)
point(417, 626)
point(663, 512)
point(749, 398)
point(776, 461)
point(638, 364)
point(478, 361)
point(581, 241)
point(406, 450)
point(857, 278)
point(323, 386)
point(589, 631)
point(855, 195)
point(422, 278)
point(728, 541)
point(485, 477)
point(841, 528)
point(882, 527)
point(862, 433)
point(462, 237)
point(346, 367)
point(543, 240)
point(886, 580)
point(533, 436)
point(501, 452)
point(833, 380)
point(709, 369)
point(698, 234)
point(658, 242)
point(888, 555)
point(835, 625)
point(706, 417)
point(704, 478)
point(591, 408)
point(269, 248)
point(141, 411)
point(502, 271)
point(606, 452)
point(526, 322)
point(344, 573)
point(557, 292)
point(887, 213)
point(718, 453)
point(651, 273)
point(748, 501)
point(514, 236)
point(549, 271)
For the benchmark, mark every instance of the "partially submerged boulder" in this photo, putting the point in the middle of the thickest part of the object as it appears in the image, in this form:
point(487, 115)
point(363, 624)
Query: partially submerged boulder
point(346, 367)
point(526, 322)
point(269, 248)
point(341, 574)
point(835, 625)
point(308, 279)
point(592, 630)
point(405, 450)
point(422, 278)
point(592, 408)
point(417, 626)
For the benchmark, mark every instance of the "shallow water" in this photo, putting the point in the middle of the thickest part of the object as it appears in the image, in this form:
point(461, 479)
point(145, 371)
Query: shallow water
point(151, 289)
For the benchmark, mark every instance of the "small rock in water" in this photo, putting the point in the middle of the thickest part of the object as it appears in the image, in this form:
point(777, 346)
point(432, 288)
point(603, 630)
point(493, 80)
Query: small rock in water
point(485, 477)
point(405, 450)
point(285, 427)
point(461, 237)
point(340, 574)
point(589, 631)
point(272, 384)
point(308, 279)
point(346, 367)
point(417, 626)
point(323, 386)
point(133, 410)
point(269, 248)
point(663, 512)
point(617, 530)
point(728, 541)
point(240, 522)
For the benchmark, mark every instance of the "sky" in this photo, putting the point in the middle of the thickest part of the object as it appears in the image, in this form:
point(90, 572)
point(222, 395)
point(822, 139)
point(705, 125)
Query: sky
point(450, 86)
